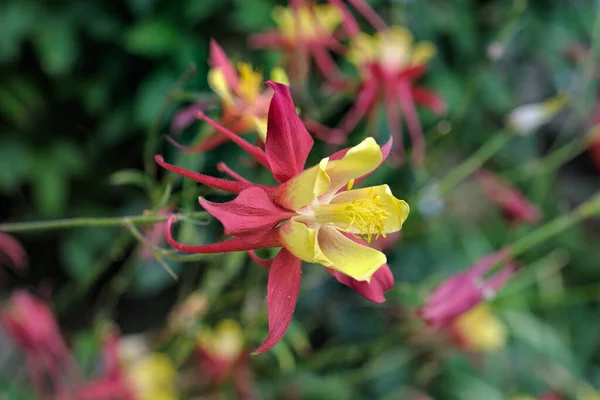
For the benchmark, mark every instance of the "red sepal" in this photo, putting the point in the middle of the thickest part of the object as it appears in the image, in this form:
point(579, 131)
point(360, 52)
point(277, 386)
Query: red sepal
point(288, 142)
point(282, 294)
point(381, 281)
point(219, 60)
point(251, 215)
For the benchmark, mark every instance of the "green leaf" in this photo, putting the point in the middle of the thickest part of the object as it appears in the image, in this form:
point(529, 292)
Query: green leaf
point(153, 38)
point(151, 96)
point(15, 159)
point(151, 277)
point(81, 248)
point(56, 45)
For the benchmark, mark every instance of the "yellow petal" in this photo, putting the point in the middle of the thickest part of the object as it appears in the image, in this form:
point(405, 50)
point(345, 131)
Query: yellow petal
point(260, 126)
point(396, 209)
point(422, 53)
point(301, 241)
point(218, 83)
point(358, 161)
point(304, 188)
point(345, 255)
point(279, 75)
point(363, 49)
point(153, 378)
point(329, 247)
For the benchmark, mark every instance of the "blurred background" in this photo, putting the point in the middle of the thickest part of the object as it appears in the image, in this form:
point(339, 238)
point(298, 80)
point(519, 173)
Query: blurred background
point(88, 90)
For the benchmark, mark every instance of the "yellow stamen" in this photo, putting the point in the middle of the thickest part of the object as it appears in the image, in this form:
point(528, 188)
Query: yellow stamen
point(365, 216)
point(250, 82)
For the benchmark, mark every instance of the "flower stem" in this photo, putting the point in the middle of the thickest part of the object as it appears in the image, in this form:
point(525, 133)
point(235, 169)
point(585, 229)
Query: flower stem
point(474, 162)
point(92, 221)
point(586, 210)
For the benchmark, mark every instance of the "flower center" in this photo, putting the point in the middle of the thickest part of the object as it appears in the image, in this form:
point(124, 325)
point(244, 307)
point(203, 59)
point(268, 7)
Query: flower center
point(250, 82)
point(363, 216)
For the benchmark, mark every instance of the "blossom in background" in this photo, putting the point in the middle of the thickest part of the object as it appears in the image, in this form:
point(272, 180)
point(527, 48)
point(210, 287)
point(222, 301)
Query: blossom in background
point(314, 214)
point(244, 99)
point(186, 313)
point(389, 62)
point(131, 372)
point(465, 290)
point(222, 356)
point(515, 207)
point(528, 118)
point(154, 234)
point(304, 31)
point(31, 326)
point(479, 330)
point(12, 252)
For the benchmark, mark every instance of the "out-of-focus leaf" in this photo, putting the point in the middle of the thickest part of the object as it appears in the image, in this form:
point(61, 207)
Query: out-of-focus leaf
point(133, 177)
point(80, 250)
point(56, 45)
point(86, 350)
point(252, 16)
point(200, 10)
point(16, 22)
point(151, 95)
point(494, 93)
point(151, 277)
point(15, 160)
point(153, 37)
point(539, 336)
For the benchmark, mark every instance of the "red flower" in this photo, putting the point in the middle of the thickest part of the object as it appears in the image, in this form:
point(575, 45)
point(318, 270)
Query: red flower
point(304, 31)
point(310, 213)
point(389, 63)
point(515, 207)
point(32, 327)
point(465, 290)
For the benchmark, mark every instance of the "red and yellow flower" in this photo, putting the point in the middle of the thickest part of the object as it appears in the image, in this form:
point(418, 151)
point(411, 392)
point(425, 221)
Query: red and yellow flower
point(389, 62)
point(244, 99)
point(314, 214)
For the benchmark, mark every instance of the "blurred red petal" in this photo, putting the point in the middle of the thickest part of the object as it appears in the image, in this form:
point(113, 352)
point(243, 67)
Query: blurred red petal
point(381, 281)
point(11, 250)
point(218, 59)
point(429, 99)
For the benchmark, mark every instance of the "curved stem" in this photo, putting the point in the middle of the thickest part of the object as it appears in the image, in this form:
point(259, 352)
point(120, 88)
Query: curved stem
point(92, 221)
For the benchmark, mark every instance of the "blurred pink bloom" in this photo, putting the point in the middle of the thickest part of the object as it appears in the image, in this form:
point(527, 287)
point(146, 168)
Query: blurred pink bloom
point(186, 117)
point(465, 290)
point(515, 207)
point(11, 252)
point(550, 395)
point(154, 234)
point(32, 327)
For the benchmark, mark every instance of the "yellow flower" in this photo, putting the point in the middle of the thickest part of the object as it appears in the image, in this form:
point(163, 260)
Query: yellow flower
point(225, 342)
point(481, 330)
point(393, 49)
point(307, 23)
point(153, 377)
point(314, 234)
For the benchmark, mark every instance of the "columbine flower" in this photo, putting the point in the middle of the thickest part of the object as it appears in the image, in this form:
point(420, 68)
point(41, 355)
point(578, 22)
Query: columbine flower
point(528, 118)
point(304, 31)
point(515, 207)
point(244, 100)
point(314, 214)
point(222, 356)
point(465, 290)
point(131, 372)
point(479, 330)
point(32, 327)
point(388, 63)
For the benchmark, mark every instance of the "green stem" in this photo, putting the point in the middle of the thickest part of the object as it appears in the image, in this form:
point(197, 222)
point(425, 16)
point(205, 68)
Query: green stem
point(92, 221)
point(473, 163)
point(586, 210)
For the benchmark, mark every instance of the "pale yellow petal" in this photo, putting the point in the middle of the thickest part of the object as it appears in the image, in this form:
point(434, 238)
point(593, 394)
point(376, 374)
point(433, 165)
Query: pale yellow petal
point(358, 161)
point(218, 83)
point(345, 255)
point(481, 330)
point(279, 75)
point(422, 53)
point(396, 209)
point(301, 241)
point(304, 188)
point(363, 49)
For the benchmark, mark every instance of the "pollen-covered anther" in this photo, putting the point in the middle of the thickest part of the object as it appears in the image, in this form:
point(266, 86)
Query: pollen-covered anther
point(364, 217)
